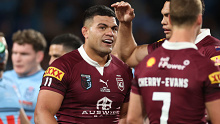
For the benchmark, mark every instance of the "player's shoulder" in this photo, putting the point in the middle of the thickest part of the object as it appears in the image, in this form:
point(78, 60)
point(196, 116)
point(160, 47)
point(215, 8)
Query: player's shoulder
point(158, 43)
point(204, 65)
point(10, 74)
point(9, 71)
point(210, 41)
point(161, 40)
point(118, 62)
point(200, 59)
point(151, 47)
point(151, 58)
point(68, 59)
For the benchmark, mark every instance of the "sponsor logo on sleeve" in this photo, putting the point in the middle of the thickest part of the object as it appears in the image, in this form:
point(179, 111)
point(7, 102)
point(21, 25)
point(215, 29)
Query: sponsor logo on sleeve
point(216, 59)
point(151, 62)
point(215, 78)
point(54, 72)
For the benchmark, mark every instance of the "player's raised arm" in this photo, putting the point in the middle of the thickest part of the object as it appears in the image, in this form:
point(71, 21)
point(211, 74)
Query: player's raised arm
point(125, 47)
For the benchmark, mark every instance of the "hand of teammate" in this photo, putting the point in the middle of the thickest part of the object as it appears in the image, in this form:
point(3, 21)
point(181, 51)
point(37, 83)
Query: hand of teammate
point(124, 12)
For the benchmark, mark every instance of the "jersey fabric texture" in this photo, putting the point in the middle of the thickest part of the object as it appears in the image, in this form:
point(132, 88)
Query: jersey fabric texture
point(9, 102)
point(207, 45)
point(175, 81)
point(29, 87)
point(92, 94)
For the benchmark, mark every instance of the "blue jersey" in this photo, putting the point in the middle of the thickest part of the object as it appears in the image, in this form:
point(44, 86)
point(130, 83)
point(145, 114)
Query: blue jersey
point(9, 102)
point(29, 88)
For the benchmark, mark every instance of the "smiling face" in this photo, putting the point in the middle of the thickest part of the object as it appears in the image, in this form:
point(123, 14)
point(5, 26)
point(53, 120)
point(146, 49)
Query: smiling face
point(165, 21)
point(100, 35)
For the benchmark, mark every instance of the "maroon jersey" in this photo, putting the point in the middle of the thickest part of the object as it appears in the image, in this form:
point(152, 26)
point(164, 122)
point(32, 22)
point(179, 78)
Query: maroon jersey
point(207, 45)
point(155, 45)
point(175, 81)
point(210, 47)
point(92, 94)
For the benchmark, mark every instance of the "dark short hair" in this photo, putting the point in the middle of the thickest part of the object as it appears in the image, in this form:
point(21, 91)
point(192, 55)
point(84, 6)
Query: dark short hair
point(69, 41)
point(101, 10)
point(30, 36)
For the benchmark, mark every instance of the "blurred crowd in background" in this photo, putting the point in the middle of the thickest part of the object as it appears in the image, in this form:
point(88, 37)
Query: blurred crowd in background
point(54, 17)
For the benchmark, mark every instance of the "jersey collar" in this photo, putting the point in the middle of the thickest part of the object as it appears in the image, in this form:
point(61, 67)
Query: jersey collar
point(89, 60)
point(202, 35)
point(178, 45)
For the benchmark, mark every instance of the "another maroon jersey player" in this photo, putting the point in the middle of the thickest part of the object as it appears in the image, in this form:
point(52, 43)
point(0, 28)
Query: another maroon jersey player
point(92, 94)
point(208, 45)
point(88, 85)
point(132, 54)
point(174, 81)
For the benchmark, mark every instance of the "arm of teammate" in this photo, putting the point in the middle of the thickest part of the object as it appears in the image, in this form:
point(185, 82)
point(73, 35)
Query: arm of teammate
point(135, 110)
point(48, 103)
point(123, 113)
point(126, 47)
point(213, 109)
point(23, 117)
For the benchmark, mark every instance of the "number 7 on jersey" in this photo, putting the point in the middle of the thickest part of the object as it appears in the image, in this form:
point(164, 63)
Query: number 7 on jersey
point(166, 98)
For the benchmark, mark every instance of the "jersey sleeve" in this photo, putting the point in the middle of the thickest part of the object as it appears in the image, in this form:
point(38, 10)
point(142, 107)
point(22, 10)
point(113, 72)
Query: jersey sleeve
point(155, 45)
point(212, 84)
point(215, 55)
point(56, 77)
point(129, 80)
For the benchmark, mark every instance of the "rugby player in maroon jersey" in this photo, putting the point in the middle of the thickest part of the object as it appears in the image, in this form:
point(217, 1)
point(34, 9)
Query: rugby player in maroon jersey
point(132, 54)
point(175, 83)
point(87, 85)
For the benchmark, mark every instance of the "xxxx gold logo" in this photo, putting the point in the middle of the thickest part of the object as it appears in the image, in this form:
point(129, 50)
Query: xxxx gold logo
point(214, 77)
point(54, 72)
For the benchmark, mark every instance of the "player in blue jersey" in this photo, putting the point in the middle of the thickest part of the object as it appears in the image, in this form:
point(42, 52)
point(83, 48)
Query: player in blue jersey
point(11, 111)
point(27, 54)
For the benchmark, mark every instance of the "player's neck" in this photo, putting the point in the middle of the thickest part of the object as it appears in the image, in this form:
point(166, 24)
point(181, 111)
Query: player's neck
point(183, 35)
point(31, 72)
point(100, 58)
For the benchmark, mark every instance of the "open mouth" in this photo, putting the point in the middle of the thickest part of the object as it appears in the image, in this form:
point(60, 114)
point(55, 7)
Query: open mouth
point(108, 41)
